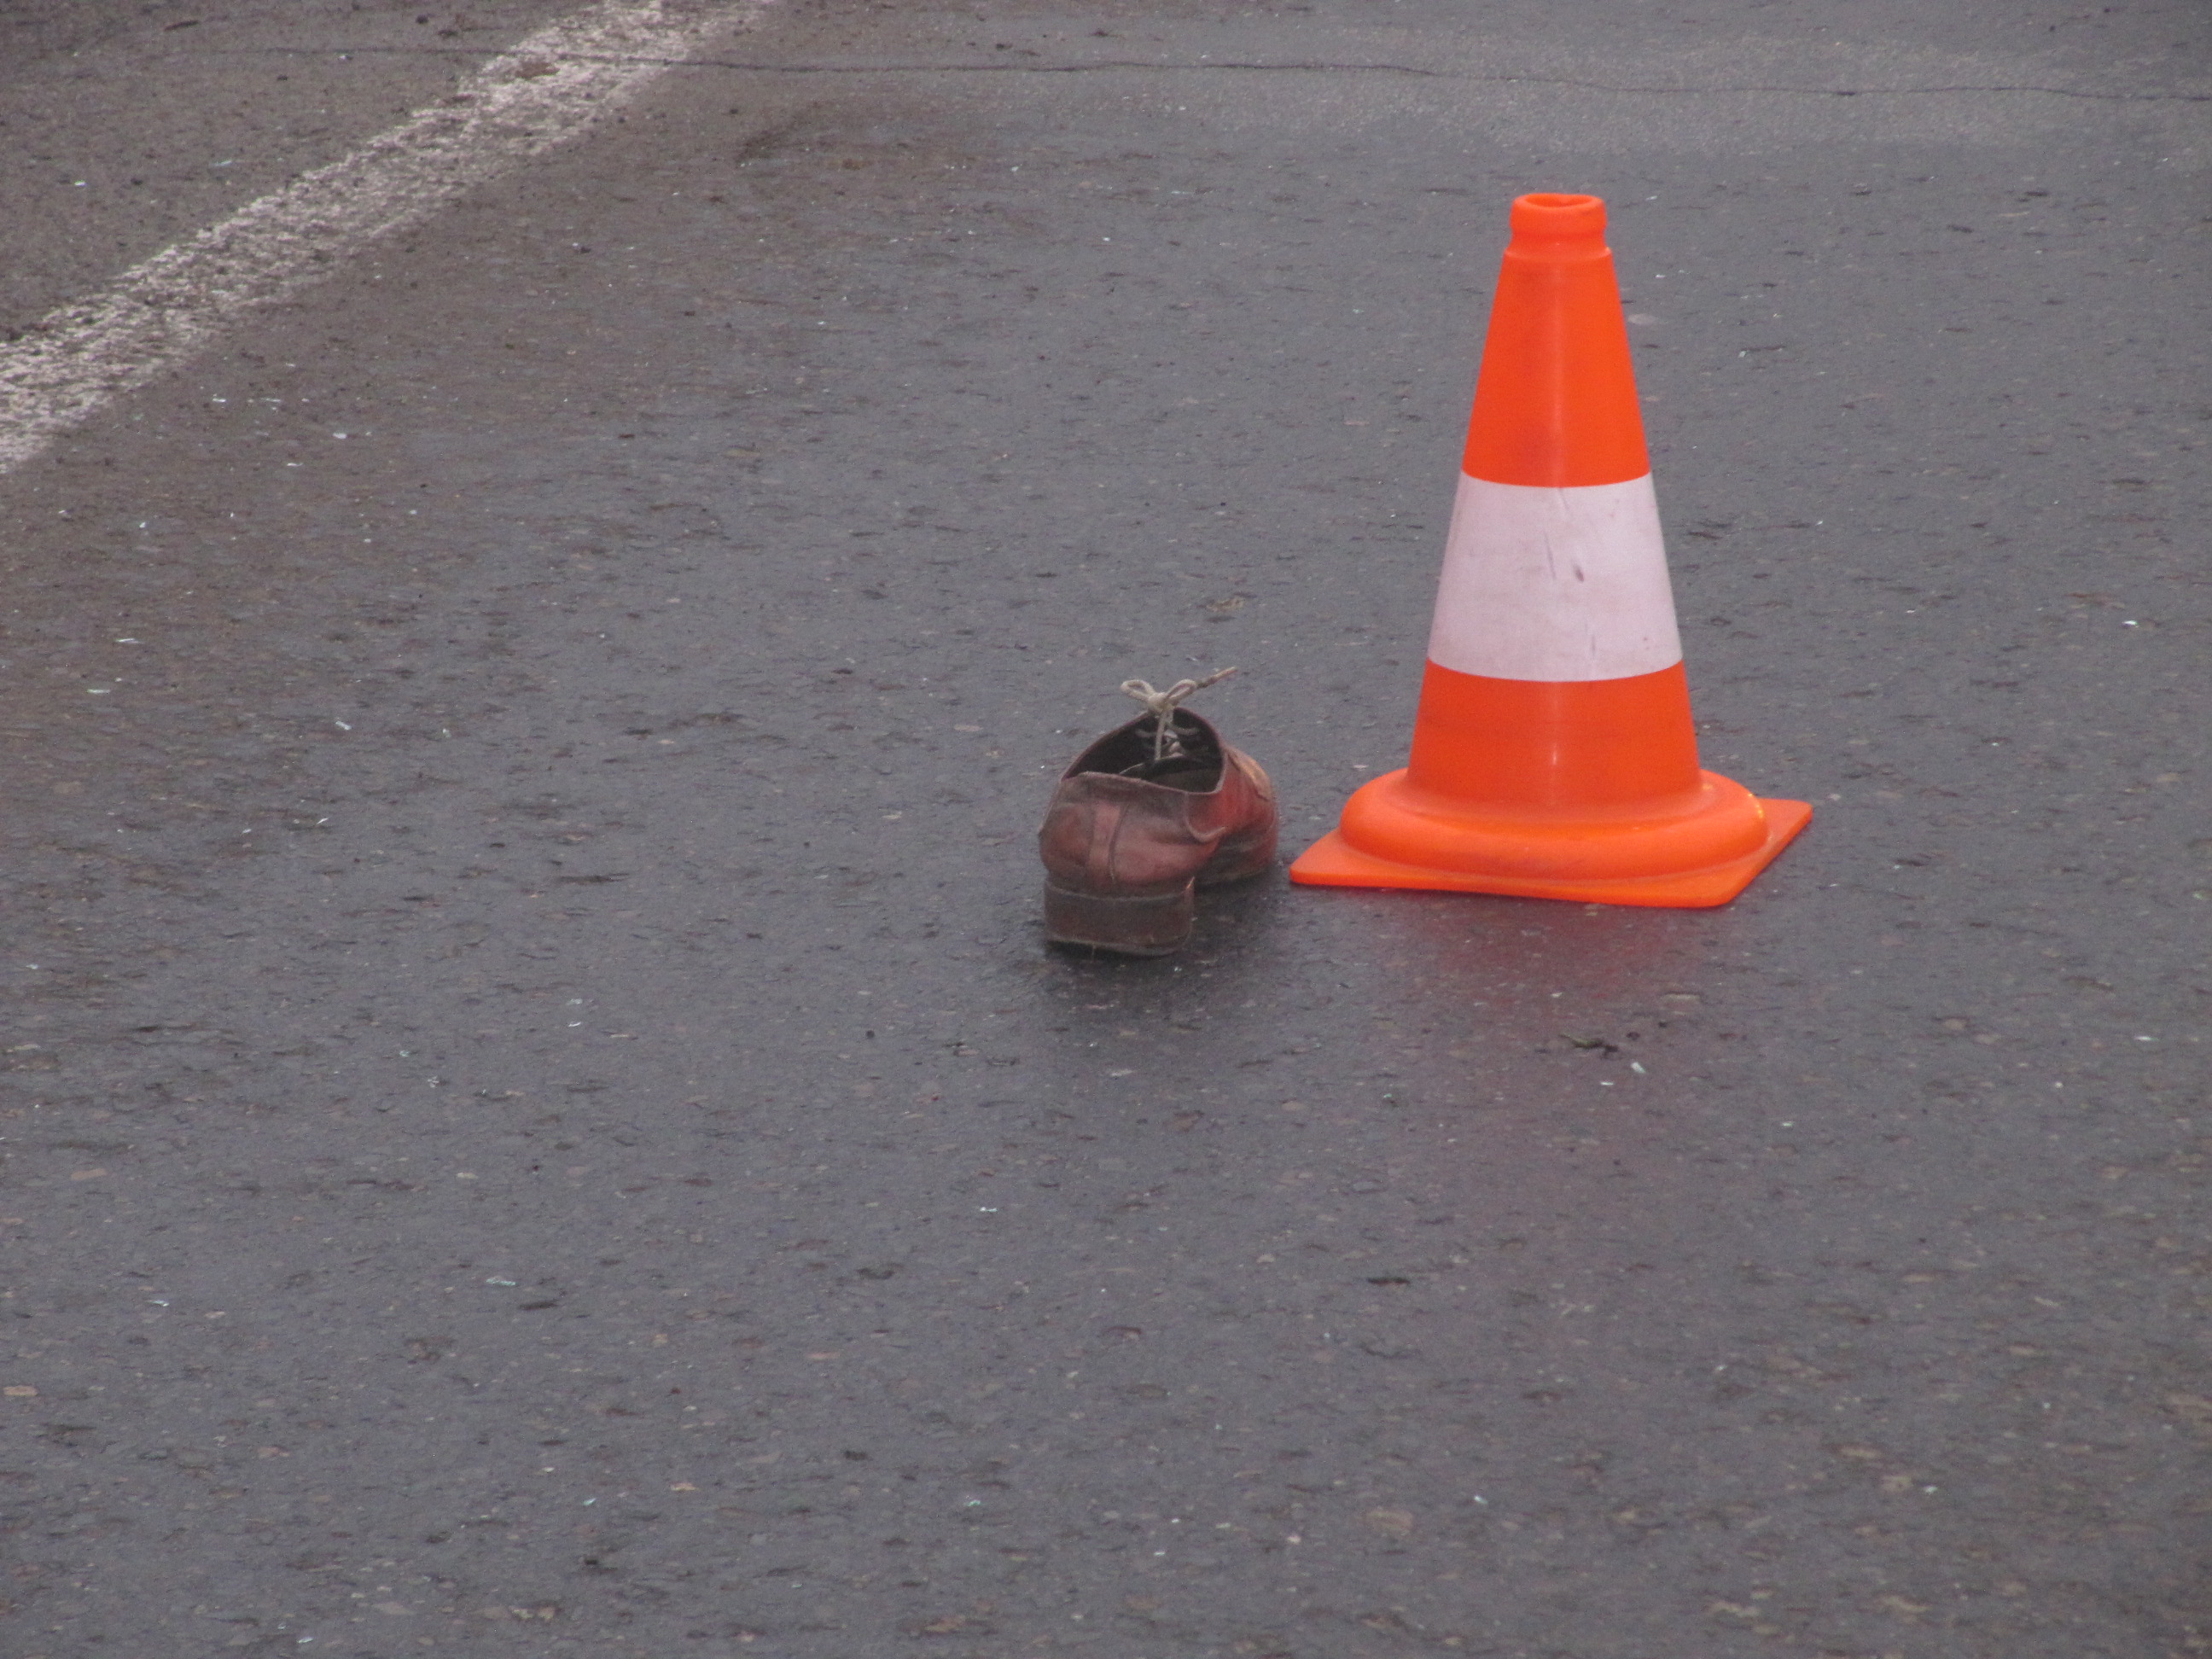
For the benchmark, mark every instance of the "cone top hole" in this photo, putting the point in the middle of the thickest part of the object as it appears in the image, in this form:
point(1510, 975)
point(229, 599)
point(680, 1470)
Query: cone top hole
point(1554, 217)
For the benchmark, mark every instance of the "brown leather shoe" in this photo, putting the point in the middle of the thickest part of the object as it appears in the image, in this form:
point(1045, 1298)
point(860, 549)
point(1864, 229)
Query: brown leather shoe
point(1138, 821)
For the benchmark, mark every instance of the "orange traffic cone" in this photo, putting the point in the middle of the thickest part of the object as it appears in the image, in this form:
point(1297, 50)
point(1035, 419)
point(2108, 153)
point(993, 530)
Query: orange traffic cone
point(1555, 756)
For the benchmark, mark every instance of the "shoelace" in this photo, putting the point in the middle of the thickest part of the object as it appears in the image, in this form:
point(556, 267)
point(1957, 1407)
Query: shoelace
point(1167, 743)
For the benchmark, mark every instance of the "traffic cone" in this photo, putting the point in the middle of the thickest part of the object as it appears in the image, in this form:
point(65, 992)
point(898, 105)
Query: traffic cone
point(1553, 755)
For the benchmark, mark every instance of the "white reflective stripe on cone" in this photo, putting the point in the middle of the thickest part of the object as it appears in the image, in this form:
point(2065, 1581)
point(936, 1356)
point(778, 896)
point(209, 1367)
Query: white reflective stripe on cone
point(1552, 584)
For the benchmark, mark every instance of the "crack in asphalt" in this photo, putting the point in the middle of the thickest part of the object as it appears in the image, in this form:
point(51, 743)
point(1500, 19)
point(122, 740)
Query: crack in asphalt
point(1125, 65)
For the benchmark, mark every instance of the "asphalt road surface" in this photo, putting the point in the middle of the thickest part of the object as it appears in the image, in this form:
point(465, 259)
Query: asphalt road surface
point(537, 1118)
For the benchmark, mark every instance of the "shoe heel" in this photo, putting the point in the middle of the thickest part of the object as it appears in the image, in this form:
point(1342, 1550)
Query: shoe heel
point(1153, 924)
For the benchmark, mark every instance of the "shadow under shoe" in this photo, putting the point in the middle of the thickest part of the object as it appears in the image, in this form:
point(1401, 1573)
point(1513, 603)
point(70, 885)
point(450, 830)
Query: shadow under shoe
point(1128, 838)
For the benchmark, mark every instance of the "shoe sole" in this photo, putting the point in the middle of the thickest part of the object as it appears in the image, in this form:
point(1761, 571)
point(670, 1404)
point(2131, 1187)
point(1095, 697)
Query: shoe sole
point(1239, 861)
point(1151, 924)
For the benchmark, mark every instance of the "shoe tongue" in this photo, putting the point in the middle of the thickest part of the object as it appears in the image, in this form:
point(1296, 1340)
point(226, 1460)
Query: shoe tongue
point(1127, 753)
point(1194, 772)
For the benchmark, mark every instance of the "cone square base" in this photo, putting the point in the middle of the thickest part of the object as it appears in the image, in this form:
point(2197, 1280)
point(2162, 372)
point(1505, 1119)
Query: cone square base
point(1334, 862)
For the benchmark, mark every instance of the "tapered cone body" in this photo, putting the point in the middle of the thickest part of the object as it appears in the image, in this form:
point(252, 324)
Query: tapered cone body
point(1554, 754)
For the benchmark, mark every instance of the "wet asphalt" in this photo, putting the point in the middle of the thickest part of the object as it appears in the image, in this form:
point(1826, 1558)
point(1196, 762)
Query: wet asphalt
point(538, 1119)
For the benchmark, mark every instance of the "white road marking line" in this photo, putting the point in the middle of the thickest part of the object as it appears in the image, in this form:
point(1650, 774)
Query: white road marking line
point(548, 89)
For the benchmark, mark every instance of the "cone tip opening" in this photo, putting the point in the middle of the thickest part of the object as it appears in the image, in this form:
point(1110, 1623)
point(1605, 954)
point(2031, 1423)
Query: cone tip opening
point(1554, 221)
